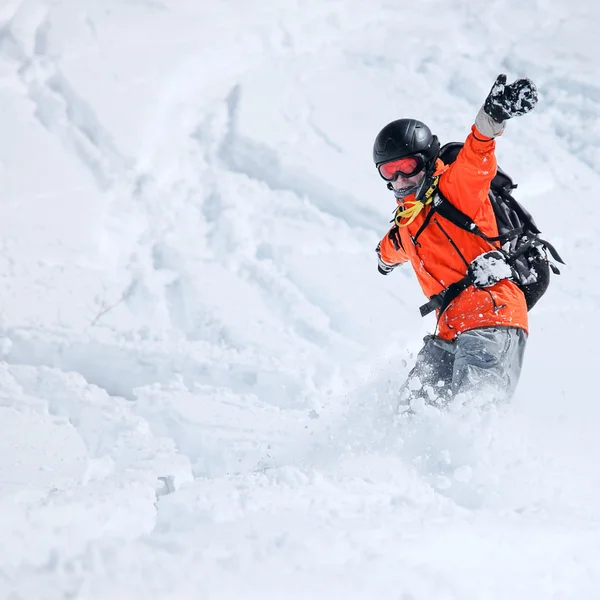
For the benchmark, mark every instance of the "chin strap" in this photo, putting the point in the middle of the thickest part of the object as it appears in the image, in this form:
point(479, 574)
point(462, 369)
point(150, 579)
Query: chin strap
point(409, 210)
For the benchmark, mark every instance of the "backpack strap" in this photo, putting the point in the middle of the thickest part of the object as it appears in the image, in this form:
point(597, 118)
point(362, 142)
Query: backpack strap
point(553, 252)
point(484, 271)
point(432, 211)
point(447, 210)
point(537, 242)
point(442, 300)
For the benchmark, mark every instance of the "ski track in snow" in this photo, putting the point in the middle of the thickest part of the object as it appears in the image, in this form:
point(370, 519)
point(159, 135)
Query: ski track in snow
point(199, 357)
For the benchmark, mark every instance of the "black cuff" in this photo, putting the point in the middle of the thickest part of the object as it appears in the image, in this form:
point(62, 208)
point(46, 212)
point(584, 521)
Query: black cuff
point(485, 140)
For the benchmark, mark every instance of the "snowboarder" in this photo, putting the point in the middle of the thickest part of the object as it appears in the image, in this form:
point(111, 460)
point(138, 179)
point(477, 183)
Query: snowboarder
point(481, 334)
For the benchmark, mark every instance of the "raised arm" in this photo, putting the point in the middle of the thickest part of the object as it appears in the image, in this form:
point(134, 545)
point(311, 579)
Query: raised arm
point(468, 178)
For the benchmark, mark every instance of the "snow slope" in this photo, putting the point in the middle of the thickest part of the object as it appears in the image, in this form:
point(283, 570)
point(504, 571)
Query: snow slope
point(199, 357)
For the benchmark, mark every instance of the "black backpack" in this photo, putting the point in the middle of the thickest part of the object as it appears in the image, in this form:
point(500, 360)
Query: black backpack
point(518, 235)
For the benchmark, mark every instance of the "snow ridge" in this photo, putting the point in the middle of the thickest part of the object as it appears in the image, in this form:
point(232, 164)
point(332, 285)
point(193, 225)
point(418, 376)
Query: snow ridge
point(200, 361)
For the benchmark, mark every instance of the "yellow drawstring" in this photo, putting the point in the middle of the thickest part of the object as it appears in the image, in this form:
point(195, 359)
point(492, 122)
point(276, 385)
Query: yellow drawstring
point(410, 209)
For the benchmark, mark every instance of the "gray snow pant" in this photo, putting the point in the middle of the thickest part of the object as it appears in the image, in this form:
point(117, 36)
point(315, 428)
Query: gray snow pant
point(489, 358)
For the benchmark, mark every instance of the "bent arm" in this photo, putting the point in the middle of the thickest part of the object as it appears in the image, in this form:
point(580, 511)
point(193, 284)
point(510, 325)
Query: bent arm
point(467, 182)
point(390, 251)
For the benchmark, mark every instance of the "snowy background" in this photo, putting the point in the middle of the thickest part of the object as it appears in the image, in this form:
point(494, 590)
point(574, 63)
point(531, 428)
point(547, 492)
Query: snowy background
point(198, 354)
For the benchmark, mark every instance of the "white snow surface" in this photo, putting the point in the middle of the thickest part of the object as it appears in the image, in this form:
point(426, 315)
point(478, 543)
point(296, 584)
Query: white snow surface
point(199, 358)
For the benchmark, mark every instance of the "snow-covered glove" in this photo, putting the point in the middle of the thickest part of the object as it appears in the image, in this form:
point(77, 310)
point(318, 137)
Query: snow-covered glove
point(513, 100)
point(489, 268)
point(505, 102)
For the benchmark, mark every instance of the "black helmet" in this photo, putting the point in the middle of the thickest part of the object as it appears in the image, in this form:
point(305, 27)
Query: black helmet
point(406, 137)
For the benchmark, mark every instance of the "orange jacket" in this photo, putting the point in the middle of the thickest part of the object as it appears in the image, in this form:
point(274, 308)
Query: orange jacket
point(436, 260)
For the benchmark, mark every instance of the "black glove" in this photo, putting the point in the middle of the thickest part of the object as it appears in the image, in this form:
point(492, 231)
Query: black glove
point(513, 100)
point(383, 267)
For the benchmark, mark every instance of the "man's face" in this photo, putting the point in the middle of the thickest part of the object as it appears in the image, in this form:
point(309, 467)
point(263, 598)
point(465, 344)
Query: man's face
point(407, 182)
point(404, 186)
point(404, 175)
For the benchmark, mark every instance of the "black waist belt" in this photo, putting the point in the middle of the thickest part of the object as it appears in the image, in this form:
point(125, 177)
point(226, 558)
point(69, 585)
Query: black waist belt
point(443, 299)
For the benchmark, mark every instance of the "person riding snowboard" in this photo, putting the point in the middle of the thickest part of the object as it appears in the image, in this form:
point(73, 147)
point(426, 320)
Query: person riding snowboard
point(481, 334)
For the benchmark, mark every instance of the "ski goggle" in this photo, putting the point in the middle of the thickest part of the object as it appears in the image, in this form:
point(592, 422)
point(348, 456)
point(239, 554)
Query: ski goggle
point(405, 167)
